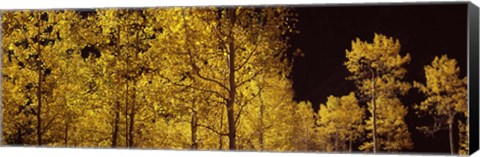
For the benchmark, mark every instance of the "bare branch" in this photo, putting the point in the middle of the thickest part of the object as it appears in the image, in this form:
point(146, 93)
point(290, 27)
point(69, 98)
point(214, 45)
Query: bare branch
point(192, 62)
point(244, 104)
point(213, 130)
point(50, 122)
point(249, 79)
point(248, 58)
point(193, 87)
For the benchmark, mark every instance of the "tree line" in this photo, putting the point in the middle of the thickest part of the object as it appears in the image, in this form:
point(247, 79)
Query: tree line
point(205, 78)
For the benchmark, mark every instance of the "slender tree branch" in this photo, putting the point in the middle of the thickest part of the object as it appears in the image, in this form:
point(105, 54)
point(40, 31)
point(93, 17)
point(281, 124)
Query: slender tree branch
point(192, 62)
point(193, 87)
point(248, 58)
point(249, 79)
point(50, 122)
point(213, 129)
point(244, 104)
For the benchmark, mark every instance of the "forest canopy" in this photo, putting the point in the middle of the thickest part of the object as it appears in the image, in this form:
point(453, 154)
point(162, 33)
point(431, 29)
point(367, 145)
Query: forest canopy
point(206, 78)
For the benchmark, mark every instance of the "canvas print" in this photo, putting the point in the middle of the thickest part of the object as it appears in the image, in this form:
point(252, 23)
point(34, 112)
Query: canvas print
point(361, 78)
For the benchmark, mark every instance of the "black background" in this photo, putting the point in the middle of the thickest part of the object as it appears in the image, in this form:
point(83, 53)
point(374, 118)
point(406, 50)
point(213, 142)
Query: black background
point(424, 31)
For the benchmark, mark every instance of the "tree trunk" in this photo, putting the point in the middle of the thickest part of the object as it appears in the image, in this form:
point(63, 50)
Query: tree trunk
point(115, 125)
point(220, 140)
point(126, 115)
point(450, 129)
point(65, 140)
point(132, 118)
point(231, 101)
point(193, 125)
point(336, 141)
point(374, 126)
point(231, 126)
point(374, 115)
point(126, 91)
point(39, 92)
point(261, 139)
point(306, 138)
point(131, 129)
point(350, 145)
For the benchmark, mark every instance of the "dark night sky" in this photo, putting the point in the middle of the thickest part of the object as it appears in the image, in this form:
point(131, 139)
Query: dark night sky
point(424, 31)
